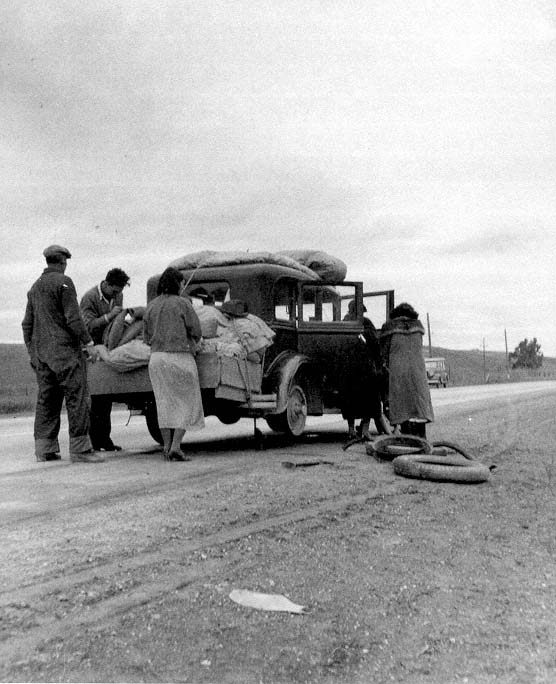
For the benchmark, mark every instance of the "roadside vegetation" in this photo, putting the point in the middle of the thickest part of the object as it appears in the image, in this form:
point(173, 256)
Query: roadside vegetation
point(18, 388)
point(527, 354)
point(472, 367)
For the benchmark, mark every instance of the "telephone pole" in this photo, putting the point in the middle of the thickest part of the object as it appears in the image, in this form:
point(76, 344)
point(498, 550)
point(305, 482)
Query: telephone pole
point(507, 357)
point(429, 331)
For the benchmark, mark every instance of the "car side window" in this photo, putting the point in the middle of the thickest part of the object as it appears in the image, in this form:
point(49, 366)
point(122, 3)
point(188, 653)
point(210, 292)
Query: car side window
point(326, 303)
point(285, 301)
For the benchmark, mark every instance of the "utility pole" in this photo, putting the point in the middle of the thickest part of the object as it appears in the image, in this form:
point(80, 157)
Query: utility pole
point(484, 362)
point(429, 331)
point(507, 357)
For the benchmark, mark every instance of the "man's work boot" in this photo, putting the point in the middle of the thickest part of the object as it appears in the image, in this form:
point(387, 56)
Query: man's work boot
point(52, 456)
point(109, 446)
point(86, 457)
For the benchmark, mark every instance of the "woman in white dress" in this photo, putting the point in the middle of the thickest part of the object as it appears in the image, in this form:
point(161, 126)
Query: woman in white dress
point(172, 329)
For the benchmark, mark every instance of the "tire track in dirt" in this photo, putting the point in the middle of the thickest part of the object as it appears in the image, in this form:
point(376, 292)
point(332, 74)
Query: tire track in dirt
point(50, 627)
point(129, 493)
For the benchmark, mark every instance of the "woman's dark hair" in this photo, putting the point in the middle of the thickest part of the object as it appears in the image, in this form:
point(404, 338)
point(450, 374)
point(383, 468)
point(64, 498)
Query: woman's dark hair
point(406, 310)
point(117, 277)
point(170, 282)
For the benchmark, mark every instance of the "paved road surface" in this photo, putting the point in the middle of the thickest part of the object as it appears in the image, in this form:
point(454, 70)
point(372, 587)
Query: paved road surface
point(16, 433)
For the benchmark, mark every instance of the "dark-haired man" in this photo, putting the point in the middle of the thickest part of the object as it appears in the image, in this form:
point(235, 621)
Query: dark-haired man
point(99, 307)
point(55, 337)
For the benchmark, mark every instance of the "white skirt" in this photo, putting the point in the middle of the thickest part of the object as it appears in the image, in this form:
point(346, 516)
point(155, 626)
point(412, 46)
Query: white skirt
point(175, 382)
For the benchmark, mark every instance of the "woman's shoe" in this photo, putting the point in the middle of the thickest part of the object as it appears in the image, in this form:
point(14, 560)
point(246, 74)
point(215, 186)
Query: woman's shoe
point(177, 456)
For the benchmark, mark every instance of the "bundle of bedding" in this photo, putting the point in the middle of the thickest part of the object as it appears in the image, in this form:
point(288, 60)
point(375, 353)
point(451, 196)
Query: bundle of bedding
point(127, 326)
point(208, 258)
point(126, 357)
point(239, 337)
point(325, 265)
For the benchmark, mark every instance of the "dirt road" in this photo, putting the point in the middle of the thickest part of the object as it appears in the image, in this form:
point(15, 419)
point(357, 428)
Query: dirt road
point(122, 571)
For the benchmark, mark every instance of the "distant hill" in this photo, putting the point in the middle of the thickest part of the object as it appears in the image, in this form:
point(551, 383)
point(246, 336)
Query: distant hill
point(18, 386)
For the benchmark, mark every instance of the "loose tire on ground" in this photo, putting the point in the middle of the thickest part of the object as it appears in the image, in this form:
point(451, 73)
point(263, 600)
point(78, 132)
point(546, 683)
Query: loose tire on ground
point(391, 446)
point(441, 468)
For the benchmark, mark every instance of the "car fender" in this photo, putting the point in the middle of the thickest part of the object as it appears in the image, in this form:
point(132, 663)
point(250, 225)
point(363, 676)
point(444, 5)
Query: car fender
point(280, 376)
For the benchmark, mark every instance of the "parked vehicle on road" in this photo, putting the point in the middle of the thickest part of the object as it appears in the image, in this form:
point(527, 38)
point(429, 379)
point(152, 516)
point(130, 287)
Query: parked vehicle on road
point(438, 374)
point(300, 373)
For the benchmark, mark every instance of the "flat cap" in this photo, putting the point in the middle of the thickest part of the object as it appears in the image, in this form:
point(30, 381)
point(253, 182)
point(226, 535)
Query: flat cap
point(56, 250)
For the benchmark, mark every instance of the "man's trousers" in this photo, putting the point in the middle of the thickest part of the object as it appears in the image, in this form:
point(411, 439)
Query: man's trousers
point(69, 383)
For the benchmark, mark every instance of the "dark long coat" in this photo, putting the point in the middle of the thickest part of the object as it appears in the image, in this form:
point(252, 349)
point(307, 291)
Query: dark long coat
point(361, 386)
point(409, 396)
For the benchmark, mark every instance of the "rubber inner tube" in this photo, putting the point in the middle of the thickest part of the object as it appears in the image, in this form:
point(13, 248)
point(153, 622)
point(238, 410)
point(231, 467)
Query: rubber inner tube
point(453, 447)
point(391, 446)
point(453, 468)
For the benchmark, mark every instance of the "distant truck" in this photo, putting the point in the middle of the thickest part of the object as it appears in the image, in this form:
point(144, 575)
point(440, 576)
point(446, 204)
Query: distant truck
point(438, 373)
point(301, 372)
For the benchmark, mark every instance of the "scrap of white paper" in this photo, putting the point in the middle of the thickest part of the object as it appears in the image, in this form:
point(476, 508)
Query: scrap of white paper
point(254, 599)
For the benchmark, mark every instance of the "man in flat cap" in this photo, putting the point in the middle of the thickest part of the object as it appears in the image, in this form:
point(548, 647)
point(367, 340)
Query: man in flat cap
point(99, 307)
point(57, 341)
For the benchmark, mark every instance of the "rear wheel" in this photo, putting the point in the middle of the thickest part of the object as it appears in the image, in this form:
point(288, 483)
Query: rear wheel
point(151, 418)
point(227, 412)
point(292, 420)
point(274, 422)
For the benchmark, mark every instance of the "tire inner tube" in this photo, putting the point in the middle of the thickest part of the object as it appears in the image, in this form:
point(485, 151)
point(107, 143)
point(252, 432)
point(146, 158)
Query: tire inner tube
point(452, 468)
point(391, 446)
point(452, 446)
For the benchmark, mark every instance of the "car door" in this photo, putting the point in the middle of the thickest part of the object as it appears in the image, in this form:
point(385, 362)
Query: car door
point(331, 342)
point(378, 306)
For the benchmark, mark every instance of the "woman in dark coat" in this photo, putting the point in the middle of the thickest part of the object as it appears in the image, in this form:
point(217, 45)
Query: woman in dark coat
point(361, 390)
point(401, 340)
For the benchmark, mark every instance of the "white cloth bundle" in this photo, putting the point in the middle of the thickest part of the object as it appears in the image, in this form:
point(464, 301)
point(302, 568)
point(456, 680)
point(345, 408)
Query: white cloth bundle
point(127, 357)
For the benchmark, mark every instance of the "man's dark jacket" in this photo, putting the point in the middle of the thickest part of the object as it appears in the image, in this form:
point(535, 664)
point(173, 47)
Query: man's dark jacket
point(53, 329)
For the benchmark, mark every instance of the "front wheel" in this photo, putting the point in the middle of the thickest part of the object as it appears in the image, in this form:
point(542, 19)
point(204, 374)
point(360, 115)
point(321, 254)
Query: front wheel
point(292, 420)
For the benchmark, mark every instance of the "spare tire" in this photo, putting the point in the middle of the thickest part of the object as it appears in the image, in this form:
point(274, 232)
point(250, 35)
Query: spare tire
point(441, 468)
point(391, 446)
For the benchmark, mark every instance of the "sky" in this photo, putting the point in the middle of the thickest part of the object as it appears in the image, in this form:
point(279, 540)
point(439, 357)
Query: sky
point(416, 141)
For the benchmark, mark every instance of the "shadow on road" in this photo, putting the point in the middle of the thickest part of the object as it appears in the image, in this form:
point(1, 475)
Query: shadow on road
point(264, 441)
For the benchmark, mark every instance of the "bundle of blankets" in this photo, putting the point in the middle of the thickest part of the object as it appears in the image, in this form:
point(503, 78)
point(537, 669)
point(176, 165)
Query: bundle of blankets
point(237, 335)
point(122, 345)
point(311, 262)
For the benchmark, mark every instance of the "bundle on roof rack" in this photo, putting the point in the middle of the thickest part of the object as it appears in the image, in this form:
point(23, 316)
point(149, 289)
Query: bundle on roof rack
point(325, 265)
point(310, 262)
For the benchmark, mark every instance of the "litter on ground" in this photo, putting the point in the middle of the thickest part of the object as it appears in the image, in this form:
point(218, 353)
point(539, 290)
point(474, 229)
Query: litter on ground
point(254, 599)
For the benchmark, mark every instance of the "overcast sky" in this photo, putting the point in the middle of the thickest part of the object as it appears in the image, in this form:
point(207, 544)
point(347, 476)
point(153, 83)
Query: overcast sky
point(414, 140)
